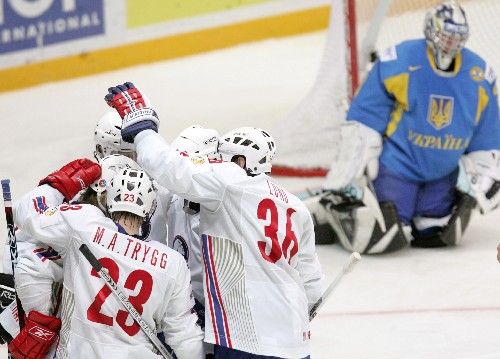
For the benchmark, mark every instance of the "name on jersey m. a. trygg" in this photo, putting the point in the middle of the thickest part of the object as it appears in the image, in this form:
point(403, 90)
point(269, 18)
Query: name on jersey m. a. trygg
point(130, 247)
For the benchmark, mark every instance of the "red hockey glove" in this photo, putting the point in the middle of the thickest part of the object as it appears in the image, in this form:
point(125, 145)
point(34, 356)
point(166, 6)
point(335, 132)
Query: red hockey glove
point(73, 177)
point(36, 338)
point(125, 98)
point(134, 110)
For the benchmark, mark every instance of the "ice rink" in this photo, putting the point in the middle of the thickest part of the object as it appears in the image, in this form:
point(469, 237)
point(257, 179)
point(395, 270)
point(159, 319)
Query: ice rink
point(439, 303)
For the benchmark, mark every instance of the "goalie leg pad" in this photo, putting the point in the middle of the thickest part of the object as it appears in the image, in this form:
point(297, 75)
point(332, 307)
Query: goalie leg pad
point(358, 227)
point(450, 233)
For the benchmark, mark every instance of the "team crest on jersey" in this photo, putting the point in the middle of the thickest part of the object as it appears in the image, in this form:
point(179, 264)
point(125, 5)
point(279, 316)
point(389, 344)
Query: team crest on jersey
point(440, 112)
point(180, 245)
point(477, 74)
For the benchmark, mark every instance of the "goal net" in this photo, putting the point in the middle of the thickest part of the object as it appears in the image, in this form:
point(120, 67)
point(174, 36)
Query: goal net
point(307, 137)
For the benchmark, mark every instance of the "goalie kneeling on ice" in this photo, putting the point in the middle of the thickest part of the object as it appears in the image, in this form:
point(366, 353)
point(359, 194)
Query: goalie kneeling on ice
point(369, 227)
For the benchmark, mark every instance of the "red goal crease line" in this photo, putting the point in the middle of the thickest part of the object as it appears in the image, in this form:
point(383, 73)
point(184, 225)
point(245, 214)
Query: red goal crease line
point(285, 171)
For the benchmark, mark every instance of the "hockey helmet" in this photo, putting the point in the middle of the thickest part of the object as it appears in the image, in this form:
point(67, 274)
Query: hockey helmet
point(108, 137)
point(197, 140)
point(131, 191)
point(255, 144)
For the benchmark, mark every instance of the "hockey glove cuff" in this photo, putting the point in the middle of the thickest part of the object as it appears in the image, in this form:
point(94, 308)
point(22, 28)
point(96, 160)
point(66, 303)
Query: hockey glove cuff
point(36, 338)
point(73, 177)
point(138, 121)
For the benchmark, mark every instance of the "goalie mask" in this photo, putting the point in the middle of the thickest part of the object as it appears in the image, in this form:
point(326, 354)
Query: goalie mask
point(198, 140)
point(446, 31)
point(131, 191)
point(255, 144)
point(108, 137)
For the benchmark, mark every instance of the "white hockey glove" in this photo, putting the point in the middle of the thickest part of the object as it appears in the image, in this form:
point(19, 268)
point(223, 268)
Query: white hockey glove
point(479, 176)
point(360, 148)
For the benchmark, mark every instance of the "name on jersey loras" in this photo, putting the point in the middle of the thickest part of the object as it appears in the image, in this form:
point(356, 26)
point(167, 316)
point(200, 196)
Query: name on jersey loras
point(130, 247)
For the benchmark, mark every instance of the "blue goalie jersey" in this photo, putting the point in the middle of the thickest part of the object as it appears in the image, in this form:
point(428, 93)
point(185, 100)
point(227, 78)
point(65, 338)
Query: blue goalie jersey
point(428, 118)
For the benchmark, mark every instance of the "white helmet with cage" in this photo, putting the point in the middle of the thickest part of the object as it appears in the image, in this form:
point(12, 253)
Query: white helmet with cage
point(131, 191)
point(255, 144)
point(446, 31)
point(108, 137)
point(110, 165)
point(197, 140)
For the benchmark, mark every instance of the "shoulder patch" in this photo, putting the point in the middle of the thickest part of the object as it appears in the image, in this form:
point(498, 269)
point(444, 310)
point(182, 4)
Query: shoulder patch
point(489, 74)
point(198, 160)
point(389, 54)
point(50, 211)
point(477, 74)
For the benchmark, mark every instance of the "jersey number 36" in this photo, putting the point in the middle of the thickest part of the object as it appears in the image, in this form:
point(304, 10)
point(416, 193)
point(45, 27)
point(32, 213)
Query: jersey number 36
point(267, 210)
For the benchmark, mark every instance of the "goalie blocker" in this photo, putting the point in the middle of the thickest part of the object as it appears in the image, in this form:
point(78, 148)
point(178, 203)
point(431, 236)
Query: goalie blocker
point(366, 226)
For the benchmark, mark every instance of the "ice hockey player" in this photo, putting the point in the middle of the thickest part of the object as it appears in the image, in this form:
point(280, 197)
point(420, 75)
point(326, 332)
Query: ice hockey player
point(183, 216)
point(261, 270)
point(157, 277)
point(108, 141)
point(420, 147)
point(38, 273)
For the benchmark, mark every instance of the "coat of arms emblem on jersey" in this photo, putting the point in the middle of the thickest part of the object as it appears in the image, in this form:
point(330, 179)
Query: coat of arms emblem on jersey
point(440, 112)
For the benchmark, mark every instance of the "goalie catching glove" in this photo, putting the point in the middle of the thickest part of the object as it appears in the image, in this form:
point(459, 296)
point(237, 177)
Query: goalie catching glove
point(133, 108)
point(73, 177)
point(36, 338)
point(479, 177)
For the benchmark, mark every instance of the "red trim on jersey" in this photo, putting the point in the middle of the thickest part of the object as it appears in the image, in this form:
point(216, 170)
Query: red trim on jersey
point(218, 292)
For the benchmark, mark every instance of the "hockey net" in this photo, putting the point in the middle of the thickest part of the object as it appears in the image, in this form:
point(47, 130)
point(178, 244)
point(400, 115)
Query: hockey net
point(307, 137)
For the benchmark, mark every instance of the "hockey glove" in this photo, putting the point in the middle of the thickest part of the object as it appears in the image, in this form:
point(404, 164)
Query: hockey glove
point(36, 338)
point(133, 108)
point(73, 177)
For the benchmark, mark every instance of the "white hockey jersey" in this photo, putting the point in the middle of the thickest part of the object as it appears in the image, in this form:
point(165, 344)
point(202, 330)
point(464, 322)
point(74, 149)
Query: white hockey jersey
point(154, 276)
point(39, 265)
point(156, 228)
point(184, 237)
point(261, 270)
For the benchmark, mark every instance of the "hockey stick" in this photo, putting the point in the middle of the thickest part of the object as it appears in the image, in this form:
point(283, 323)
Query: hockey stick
point(150, 333)
point(353, 259)
point(9, 217)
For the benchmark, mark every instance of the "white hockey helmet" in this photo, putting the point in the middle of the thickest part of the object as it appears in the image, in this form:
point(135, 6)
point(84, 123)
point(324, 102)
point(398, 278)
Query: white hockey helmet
point(131, 191)
point(110, 165)
point(197, 140)
point(108, 137)
point(446, 31)
point(255, 144)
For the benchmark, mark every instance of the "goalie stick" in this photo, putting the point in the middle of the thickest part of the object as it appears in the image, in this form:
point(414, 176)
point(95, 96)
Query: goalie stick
point(9, 218)
point(150, 333)
point(351, 261)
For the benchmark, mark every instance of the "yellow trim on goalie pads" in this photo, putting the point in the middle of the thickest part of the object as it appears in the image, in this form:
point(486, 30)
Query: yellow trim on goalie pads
point(159, 49)
point(398, 87)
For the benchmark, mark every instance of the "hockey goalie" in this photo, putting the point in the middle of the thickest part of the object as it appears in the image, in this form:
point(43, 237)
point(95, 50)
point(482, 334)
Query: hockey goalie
point(420, 147)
